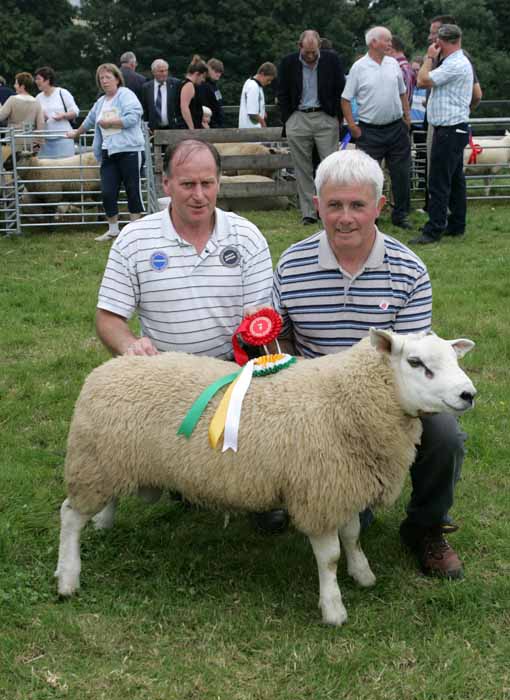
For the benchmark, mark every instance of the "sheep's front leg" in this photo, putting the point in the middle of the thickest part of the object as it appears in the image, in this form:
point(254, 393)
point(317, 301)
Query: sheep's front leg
point(327, 553)
point(357, 563)
point(69, 564)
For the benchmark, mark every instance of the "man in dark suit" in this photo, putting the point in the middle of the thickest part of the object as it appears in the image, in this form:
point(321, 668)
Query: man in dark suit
point(310, 86)
point(159, 98)
point(132, 79)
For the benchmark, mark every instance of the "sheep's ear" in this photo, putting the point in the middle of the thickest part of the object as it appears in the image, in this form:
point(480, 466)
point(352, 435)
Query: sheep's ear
point(382, 341)
point(461, 346)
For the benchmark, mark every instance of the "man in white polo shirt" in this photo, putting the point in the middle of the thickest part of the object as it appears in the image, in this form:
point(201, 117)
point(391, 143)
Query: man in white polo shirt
point(332, 287)
point(189, 272)
point(376, 82)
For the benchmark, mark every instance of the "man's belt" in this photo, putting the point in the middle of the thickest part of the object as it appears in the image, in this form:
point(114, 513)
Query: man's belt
point(464, 126)
point(380, 126)
point(307, 110)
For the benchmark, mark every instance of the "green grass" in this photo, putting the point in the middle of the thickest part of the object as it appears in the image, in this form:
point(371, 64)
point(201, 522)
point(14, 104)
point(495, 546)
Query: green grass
point(174, 606)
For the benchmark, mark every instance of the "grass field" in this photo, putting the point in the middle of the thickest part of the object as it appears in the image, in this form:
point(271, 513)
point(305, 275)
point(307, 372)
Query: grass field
point(174, 606)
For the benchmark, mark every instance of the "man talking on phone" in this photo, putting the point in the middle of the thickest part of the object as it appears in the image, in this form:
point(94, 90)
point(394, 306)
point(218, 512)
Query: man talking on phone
point(451, 86)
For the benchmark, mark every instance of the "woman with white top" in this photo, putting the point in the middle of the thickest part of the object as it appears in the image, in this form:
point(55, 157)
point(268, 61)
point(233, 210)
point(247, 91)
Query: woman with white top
point(59, 109)
point(22, 110)
point(118, 144)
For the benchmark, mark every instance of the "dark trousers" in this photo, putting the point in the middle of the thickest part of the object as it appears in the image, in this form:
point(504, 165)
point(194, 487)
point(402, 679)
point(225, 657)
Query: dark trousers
point(436, 470)
point(447, 184)
point(392, 144)
point(117, 169)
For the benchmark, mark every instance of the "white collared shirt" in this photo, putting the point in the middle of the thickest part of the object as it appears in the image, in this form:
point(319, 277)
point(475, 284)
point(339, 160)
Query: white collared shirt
point(164, 115)
point(377, 88)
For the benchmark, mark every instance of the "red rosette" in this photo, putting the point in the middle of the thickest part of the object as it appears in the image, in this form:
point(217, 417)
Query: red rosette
point(260, 328)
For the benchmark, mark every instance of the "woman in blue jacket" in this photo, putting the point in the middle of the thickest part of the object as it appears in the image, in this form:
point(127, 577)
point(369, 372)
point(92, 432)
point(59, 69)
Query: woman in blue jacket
point(118, 144)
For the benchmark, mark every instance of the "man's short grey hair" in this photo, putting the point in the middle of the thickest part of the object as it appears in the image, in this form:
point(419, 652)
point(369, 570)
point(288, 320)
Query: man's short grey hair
point(375, 33)
point(350, 167)
point(158, 62)
point(128, 57)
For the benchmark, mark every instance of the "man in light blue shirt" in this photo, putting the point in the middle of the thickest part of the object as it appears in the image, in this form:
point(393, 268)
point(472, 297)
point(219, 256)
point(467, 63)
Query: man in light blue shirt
point(448, 112)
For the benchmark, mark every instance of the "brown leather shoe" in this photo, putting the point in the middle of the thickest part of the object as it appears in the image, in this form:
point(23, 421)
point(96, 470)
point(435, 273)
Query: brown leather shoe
point(435, 555)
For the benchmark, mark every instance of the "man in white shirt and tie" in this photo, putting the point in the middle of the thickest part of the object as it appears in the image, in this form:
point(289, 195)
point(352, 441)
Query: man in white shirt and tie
point(159, 97)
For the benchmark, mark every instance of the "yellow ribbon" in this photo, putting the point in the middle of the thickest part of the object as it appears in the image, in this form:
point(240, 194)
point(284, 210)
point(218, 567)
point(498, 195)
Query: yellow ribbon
point(217, 424)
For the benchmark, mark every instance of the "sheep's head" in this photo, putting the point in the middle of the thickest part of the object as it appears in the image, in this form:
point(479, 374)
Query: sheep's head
point(427, 373)
point(22, 158)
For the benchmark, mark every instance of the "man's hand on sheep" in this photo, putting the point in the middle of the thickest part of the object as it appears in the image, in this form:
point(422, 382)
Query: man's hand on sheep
point(141, 346)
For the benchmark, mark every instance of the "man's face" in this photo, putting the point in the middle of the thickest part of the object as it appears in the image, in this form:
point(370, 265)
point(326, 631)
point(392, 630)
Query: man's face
point(434, 28)
point(193, 187)
point(160, 72)
point(310, 50)
point(349, 214)
point(382, 45)
point(266, 80)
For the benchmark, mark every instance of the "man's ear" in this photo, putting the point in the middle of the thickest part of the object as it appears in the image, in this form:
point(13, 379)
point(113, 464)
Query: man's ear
point(380, 205)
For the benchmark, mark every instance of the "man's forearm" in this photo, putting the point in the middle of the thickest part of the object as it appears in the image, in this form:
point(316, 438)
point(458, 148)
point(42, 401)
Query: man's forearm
point(423, 78)
point(347, 112)
point(114, 332)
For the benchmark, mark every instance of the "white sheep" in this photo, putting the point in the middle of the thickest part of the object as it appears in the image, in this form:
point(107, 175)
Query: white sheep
point(50, 181)
point(324, 439)
point(493, 159)
point(249, 149)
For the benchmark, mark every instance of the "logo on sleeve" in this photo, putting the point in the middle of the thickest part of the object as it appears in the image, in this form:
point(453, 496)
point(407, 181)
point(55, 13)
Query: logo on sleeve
point(159, 261)
point(230, 256)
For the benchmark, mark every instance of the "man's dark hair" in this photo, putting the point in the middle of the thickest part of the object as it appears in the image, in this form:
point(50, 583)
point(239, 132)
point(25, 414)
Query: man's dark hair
point(326, 43)
point(268, 69)
point(443, 19)
point(397, 44)
point(189, 146)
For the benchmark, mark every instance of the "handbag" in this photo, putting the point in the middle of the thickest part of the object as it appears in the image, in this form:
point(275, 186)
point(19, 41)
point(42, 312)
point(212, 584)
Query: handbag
point(72, 122)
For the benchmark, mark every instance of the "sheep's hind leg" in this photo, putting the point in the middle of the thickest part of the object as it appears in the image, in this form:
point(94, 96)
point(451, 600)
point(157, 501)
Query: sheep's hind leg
point(326, 548)
point(357, 563)
point(104, 519)
point(69, 564)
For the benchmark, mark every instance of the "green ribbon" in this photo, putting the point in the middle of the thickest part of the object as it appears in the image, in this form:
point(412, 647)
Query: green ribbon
point(193, 415)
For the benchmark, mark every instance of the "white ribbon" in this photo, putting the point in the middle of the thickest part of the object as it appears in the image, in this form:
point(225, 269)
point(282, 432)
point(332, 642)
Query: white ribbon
point(234, 408)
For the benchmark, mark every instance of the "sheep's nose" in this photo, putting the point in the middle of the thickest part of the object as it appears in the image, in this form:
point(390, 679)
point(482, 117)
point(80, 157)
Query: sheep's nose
point(468, 397)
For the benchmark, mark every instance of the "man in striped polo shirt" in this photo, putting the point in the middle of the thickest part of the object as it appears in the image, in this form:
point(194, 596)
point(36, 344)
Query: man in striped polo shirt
point(332, 287)
point(189, 272)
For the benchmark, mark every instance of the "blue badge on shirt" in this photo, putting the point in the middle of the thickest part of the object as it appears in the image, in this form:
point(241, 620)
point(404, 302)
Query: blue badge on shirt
point(159, 261)
point(230, 256)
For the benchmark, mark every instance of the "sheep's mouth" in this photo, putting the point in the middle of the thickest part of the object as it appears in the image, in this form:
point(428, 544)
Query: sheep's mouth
point(456, 409)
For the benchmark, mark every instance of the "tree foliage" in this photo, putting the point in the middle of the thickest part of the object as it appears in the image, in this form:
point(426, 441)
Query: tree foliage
point(242, 34)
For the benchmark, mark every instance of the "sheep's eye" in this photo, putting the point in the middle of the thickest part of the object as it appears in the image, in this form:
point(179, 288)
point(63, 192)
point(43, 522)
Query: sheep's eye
point(414, 362)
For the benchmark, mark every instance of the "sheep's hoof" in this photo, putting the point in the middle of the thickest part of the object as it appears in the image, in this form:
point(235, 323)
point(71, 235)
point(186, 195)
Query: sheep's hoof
point(364, 578)
point(67, 588)
point(335, 620)
point(333, 613)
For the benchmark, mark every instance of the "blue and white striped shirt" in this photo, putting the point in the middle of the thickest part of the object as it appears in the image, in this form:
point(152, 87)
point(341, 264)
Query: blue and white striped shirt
point(452, 91)
point(327, 311)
